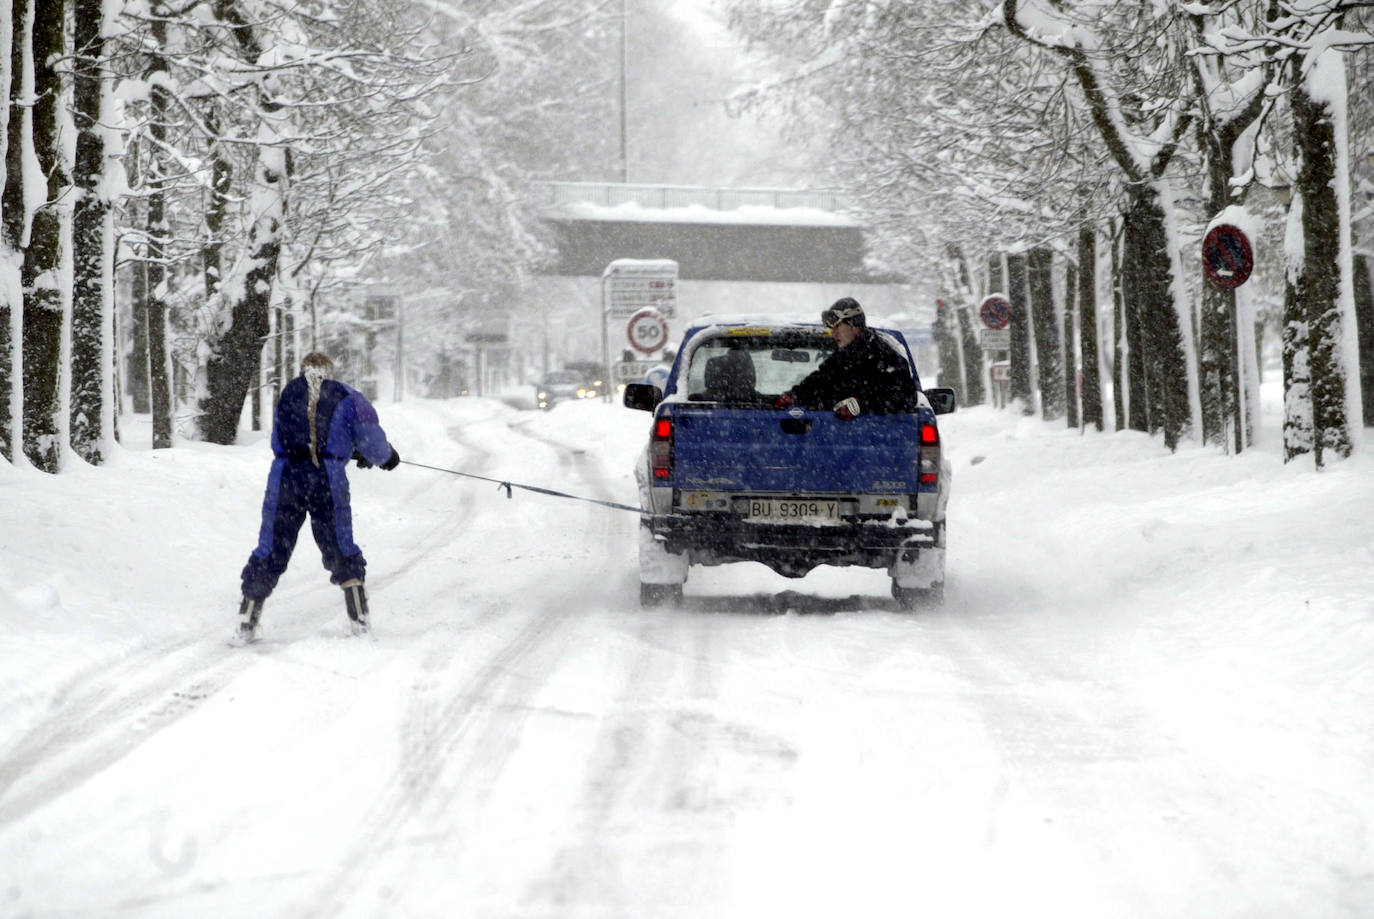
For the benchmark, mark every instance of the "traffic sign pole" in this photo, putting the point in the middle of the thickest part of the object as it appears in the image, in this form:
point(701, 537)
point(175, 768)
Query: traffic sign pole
point(628, 288)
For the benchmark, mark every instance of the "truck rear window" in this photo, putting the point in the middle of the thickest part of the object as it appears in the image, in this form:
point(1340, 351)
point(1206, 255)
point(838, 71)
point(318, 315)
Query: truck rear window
point(752, 369)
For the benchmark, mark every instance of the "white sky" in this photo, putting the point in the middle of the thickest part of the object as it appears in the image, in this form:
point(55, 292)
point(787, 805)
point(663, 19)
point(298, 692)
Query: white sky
point(1149, 694)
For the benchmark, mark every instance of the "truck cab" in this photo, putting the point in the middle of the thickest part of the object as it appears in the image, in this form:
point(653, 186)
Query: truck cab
point(726, 477)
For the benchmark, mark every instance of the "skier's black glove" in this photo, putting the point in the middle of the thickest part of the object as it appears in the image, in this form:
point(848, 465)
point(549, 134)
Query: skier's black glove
point(393, 461)
point(361, 460)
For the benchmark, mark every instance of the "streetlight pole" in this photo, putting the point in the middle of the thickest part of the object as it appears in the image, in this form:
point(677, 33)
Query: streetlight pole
point(624, 93)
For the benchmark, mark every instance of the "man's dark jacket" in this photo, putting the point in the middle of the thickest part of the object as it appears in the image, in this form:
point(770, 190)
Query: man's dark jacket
point(869, 370)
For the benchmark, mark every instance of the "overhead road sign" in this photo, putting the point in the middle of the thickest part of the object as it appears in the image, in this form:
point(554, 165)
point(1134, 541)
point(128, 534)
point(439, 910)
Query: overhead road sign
point(995, 312)
point(634, 284)
point(1226, 256)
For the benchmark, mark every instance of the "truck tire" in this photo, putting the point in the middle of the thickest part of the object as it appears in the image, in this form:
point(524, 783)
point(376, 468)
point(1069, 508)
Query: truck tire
point(911, 598)
point(653, 595)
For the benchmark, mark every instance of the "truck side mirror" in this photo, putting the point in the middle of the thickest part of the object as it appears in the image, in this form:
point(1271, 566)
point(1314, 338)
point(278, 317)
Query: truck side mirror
point(643, 396)
point(941, 399)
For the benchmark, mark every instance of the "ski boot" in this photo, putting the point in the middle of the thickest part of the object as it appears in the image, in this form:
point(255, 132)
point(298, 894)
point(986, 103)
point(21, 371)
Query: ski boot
point(250, 611)
point(355, 601)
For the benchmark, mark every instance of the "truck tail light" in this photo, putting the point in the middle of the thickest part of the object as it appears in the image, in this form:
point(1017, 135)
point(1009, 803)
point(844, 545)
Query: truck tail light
point(661, 449)
point(929, 473)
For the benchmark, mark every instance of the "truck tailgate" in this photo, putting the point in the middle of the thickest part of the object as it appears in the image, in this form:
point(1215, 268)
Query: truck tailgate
point(762, 450)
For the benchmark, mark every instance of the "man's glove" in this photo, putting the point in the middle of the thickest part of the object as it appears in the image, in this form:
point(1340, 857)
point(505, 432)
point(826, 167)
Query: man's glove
point(848, 409)
point(393, 461)
point(361, 460)
point(784, 400)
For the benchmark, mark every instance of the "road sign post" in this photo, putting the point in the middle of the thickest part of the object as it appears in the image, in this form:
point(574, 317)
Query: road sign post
point(631, 285)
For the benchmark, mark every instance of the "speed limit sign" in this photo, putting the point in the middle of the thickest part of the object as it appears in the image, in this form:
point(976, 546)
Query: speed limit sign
point(648, 330)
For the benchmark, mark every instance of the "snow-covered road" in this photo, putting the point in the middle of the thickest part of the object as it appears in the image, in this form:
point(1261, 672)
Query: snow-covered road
point(1150, 694)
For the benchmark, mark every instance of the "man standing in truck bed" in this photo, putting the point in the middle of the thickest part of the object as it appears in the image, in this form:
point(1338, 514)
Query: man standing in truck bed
point(865, 374)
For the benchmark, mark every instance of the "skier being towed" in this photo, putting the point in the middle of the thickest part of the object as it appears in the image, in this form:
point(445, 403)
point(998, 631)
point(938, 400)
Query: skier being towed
point(320, 425)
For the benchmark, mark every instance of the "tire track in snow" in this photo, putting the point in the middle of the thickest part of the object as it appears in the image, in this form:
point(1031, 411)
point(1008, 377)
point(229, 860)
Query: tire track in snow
point(107, 711)
point(454, 751)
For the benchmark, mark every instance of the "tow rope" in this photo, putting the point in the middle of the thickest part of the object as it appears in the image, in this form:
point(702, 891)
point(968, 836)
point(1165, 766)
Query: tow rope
point(508, 485)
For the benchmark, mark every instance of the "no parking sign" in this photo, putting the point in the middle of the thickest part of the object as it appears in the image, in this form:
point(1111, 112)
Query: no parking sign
point(1226, 256)
point(995, 312)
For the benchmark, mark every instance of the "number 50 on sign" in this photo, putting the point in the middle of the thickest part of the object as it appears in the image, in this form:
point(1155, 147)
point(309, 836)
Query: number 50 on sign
point(648, 331)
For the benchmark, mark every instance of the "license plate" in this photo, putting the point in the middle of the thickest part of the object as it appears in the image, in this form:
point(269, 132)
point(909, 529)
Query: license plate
point(793, 510)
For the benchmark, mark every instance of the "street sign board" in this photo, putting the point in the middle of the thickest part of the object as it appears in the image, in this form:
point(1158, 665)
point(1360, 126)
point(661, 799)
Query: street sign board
point(629, 371)
point(381, 307)
point(647, 330)
point(1001, 371)
point(995, 312)
point(1226, 256)
point(633, 284)
point(995, 339)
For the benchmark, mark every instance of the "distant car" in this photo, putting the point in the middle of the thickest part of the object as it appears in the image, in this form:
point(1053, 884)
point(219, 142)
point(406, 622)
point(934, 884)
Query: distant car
point(591, 372)
point(562, 386)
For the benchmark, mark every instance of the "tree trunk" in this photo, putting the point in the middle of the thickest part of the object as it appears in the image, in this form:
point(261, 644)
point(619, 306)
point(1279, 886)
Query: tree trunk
point(235, 357)
point(1219, 373)
point(947, 344)
point(1364, 323)
point(6, 384)
point(11, 222)
point(89, 256)
point(1049, 366)
point(1018, 295)
point(1317, 282)
point(233, 366)
point(154, 306)
point(1148, 291)
point(136, 364)
point(1070, 376)
point(973, 359)
point(1121, 354)
point(221, 179)
point(1089, 360)
point(1216, 345)
point(1297, 395)
point(43, 320)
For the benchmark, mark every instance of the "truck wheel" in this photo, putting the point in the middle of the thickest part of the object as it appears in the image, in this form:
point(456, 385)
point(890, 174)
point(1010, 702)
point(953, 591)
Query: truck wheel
point(919, 597)
point(652, 595)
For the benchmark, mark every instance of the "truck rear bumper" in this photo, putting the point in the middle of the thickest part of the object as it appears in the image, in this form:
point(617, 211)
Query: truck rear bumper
point(708, 539)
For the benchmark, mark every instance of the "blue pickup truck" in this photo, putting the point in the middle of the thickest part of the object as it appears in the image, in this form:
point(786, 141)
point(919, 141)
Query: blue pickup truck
point(726, 477)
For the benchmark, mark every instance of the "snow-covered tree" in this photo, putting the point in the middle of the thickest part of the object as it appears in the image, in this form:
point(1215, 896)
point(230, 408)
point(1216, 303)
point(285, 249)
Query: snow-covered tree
point(45, 177)
point(92, 237)
point(12, 37)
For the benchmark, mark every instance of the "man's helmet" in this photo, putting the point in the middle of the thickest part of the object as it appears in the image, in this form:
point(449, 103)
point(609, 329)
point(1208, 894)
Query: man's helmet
point(845, 309)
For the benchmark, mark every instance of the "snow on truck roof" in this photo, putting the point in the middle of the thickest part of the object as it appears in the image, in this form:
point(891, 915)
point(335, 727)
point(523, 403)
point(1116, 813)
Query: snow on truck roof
point(766, 324)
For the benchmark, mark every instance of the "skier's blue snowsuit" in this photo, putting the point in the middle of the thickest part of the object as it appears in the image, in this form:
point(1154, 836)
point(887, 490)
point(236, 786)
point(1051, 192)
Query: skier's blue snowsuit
point(345, 422)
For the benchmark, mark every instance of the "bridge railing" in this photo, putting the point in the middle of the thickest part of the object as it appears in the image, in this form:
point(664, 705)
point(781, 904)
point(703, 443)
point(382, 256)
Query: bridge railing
point(610, 194)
